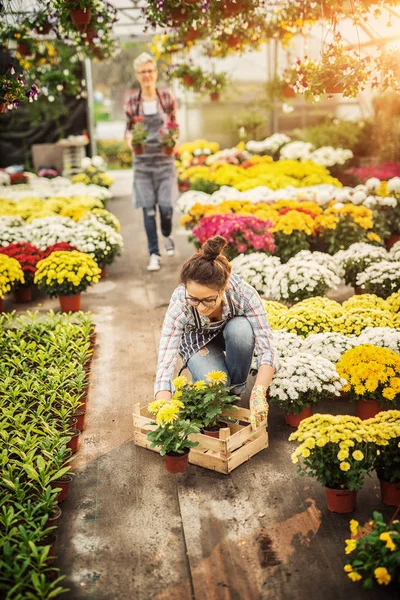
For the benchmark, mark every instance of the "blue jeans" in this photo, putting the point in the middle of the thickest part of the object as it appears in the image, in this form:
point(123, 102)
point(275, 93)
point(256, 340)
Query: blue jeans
point(237, 339)
point(150, 225)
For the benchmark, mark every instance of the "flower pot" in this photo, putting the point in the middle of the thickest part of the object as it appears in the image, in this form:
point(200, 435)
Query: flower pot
point(358, 291)
point(50, 540)
point(23, 294)
point(233, 40)
point(295, 420)
point(191, 35)
point(62, 483)
point(390, 493)
point(2, 107)
point(177, 14)
point(103, 273)
point(288, 92)
point(70, 303)
point(80, 416)
point(23, 48)
point(214, 96)
point(73, 443)
point(54, 516)
point(176, 463)
point(335, 88)
point(188, 80)
point(340, 501)
point(232, 8)
point(392, 240)
point(1, 304)
point(80, 17)
point(138, 149)
point(367, 409)
point(43, 29)
point(168, 150)
point(183, 186)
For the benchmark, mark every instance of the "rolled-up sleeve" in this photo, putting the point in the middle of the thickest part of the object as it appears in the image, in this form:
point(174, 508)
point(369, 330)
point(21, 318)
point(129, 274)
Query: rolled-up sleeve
point(256, 314)
point(171, 335)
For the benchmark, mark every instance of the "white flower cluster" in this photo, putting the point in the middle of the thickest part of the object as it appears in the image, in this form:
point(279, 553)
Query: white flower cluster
point(300, 375)
point(299, 279)
point(49, 230)
point(322, 258)
point(393, 185)
point(188, 199)
point(97, 161)
point(286, 344)
point(98, 240)
point(11, 230)
point(270, 144)
point(381, 273)
point(394, 251)
point(257, 269)
point(359, 251)
point(363, 195)
point(327, 156)
point(296, 151)
point(4, 178)
point(329, 345)
point(42, 188)
point(385, 337)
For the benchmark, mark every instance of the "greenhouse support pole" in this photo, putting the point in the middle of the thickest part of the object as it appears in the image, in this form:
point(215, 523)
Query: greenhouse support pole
point(274, 114)
point(90, 106)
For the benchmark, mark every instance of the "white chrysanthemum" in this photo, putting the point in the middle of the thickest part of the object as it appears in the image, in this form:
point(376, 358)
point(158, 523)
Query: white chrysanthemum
point(327, 260)
point(385, 337)
point(393, 185)
point(327, 156)
point(372, 184)
point(270, 144)
point(257, 269)
point(330, 345)
point(298, 280)
point(394, 252)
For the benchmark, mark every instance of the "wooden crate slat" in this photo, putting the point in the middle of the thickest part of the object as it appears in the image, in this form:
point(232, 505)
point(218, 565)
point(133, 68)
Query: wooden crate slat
point(239, 438)
point(247, 451)
point(208, 461)
point(240, 414)
point(210, 443)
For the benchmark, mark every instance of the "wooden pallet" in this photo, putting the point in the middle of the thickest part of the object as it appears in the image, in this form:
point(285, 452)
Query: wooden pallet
point(236, 444)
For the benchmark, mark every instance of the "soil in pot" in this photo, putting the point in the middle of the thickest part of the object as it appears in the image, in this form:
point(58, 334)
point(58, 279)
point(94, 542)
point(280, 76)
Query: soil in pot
point(367, 409)
point(64, 484)
point(73, 443)
point(295, 420)
point(340, 501)
point(390, 493)
point(176, 463)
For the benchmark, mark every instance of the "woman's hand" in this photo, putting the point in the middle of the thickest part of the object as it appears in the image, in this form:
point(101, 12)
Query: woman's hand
point(258, 406)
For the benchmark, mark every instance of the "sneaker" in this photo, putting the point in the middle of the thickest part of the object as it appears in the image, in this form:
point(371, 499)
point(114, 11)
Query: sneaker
point(169, 245)
point(154, 263)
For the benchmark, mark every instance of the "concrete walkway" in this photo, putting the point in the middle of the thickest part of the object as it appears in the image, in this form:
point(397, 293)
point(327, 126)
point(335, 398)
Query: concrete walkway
point(131, 531)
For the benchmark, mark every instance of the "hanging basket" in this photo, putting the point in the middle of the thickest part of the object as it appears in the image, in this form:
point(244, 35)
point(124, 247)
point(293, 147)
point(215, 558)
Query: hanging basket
point(232, 8)
point(233, 41)
point(335, 88)
point(177, 15)
point(288, 92)
point(81, 17)
point(214, 96)
point(192, 35)
point(188, 80)
point(70, 303)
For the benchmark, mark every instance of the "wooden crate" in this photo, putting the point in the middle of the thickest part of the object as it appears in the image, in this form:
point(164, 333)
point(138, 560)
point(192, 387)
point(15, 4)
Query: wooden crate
point(236, 444)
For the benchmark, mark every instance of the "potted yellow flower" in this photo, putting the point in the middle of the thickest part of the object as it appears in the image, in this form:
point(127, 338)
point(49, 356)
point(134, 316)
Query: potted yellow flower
point(66, 275)
point(386, 430)
point(373, 377)
point(11, 276)
point(172, 433)
point(376, 548)
point(337, 451)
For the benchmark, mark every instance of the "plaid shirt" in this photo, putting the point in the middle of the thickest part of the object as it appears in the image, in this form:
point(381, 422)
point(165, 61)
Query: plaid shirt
point(134, 107)
point(180, 318)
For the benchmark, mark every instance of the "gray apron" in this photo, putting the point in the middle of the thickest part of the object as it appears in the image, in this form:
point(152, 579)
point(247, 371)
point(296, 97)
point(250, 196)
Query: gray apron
point(154, 173)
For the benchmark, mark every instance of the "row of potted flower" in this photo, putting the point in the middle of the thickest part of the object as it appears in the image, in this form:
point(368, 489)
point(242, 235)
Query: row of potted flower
point(40, 421)
point(42, 188)
point(75, 208)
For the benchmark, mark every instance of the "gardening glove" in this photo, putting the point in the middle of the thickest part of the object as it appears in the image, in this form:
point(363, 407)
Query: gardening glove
point(258, 406)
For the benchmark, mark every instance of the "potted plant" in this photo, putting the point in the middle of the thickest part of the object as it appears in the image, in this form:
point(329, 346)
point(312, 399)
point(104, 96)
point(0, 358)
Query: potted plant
point(381, 278)
point(334, 450)
point(172, 13)
point(372, 376)
point(357, 258)
point(11, 276)
point(98, 240)
point(387, 462)
point(301, 382)
point(205, 401)
point(172, 433)
point(292, 233)
point(66, 275)
point(139, 135)
point(213, 84)
point(14, 90)
point(190, 76)
point(375, 552)
point(28, 256)
point(41, 23)
point(168, 137)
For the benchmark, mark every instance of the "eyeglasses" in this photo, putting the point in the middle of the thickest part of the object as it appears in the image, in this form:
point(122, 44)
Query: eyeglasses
point(149, 72)
point(207, 303)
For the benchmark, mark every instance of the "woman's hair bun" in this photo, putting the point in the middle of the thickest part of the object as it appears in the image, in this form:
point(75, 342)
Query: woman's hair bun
point(213, 247)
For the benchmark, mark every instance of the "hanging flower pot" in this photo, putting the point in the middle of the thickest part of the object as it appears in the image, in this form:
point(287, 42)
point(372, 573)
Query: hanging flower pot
point(177, 14)
point(23, 294)
point(232, 8)
point(81, 17)
point(335, 88)
point(73, 443)
point(23, 48)
point(295, 420)
point(80, 416)
point(188, 80)
point(176, 463)
point(43, 29)
point(390, 493)
point(367, 409)
point(63, 483)
point(2, 107)
point(191, 35)
point(233, 40)
point(288, 92)
point(392, 240)
point(214, 96)
point(168, 150)
point(70, 303)
point(341, 501)
point(138, 149)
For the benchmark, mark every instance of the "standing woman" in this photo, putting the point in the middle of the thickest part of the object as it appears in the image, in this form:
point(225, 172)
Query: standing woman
point(154, 174)
point(214, 321)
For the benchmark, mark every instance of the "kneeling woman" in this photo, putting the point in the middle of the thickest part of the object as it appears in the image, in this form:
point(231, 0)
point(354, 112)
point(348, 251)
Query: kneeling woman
point(214, 321)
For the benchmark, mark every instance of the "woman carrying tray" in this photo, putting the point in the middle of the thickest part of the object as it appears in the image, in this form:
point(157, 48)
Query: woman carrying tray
point(214, 322)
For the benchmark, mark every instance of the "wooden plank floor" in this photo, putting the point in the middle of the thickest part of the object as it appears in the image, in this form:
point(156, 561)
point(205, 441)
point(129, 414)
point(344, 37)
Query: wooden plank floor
point(131, 531)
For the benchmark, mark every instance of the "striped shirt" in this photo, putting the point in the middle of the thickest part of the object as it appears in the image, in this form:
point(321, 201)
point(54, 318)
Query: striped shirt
point(134, 107)
point(181, 334)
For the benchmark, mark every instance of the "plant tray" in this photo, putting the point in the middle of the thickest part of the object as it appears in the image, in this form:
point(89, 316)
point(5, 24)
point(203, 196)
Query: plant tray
point(236, 444)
